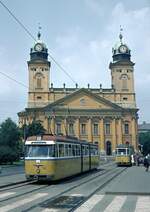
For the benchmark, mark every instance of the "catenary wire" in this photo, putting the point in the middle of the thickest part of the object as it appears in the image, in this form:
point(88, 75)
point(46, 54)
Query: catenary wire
point(30, 34)
point(13, 79)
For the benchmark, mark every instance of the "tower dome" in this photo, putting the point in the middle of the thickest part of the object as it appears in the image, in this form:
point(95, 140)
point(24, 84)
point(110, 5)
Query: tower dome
point(39, 50)
point(121, 50)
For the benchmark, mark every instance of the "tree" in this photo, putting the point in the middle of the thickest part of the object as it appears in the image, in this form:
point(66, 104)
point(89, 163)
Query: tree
point(9, 141)
point(144, 139)
point(35, 128)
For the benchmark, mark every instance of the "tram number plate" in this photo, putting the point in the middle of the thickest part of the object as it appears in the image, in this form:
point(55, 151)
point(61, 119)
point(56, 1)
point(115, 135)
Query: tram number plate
point(64, 202)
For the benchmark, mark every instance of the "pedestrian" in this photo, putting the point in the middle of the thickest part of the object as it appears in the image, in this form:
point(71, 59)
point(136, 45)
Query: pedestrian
point(146, 163)
point(132, 160)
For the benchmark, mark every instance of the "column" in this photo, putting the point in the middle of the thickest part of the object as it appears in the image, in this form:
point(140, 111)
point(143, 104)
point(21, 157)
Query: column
point(45, 124)
point(53, 125)
point(119, 131)
point(77, 128)
point(133, 128)
point(89, 128)
point(64, 127)
point(114, 143)
point(102, 137)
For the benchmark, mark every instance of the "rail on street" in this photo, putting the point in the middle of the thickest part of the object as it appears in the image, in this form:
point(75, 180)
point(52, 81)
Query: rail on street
point(108, 189)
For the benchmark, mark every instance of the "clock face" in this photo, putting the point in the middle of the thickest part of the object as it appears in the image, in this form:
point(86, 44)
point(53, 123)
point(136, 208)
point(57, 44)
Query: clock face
point(123, 49)
point(38, 47)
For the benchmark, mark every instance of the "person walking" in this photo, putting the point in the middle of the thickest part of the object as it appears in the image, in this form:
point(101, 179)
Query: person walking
point(146, 163)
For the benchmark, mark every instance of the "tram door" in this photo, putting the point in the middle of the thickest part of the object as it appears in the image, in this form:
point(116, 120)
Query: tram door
point(108, 148)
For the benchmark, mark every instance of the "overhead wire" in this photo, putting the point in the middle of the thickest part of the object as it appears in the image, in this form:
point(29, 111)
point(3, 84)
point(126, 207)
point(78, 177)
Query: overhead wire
point(13, 79)
point(30, 34)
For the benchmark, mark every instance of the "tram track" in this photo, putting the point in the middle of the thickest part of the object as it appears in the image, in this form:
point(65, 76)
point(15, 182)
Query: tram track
point(97, 190)
point(44, 204)
point(43, 187)
point(25, 193)
point(15, 185)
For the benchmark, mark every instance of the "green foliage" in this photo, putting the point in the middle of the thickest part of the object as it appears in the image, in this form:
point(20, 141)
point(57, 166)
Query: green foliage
point(9, 141)
point(144, 139)
point(35, 128)
point(8, 155)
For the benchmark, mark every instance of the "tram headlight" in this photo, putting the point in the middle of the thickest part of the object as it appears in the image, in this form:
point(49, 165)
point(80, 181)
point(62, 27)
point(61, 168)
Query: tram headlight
point(38, 171)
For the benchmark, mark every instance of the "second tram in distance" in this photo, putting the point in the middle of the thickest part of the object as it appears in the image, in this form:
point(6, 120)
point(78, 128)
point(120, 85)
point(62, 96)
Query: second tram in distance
point(123, 154)
point(50, 157)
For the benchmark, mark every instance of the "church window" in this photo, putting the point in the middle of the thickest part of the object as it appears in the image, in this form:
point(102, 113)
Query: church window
point(39, 83)
point(58, 128)
point(83, 129)
point(125, 98)
point(107, 128)
point(82, 102)
point(95, 129)
point(71, 129)
point(126, 128)
point(124, 79)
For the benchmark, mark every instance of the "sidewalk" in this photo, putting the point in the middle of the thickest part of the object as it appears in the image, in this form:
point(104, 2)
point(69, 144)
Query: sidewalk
point(135, 180)
point(12, 179)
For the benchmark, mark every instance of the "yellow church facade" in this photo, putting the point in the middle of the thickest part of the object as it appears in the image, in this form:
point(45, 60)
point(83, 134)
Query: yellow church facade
point(107, 117)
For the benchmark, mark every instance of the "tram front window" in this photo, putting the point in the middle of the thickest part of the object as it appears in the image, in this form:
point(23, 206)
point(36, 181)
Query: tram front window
point(121, 151)
point(40, 151)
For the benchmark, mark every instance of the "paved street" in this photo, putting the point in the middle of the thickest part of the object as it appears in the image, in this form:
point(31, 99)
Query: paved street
point(127, 192)
point(11, 174)
point(11, 170)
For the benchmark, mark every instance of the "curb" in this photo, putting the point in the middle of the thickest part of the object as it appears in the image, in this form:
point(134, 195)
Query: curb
point(11, 184)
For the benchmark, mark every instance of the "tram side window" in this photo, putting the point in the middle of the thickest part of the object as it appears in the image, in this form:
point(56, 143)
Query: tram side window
point(96, 150)
point(56, 150)
point(83, 150)
point(127, 151)
point(66, 150)
point(78, 150)
point(61, 150)
point(92, 150)
point(74, 150)
point(86, 150)
point(70, 150)
point(51, 151)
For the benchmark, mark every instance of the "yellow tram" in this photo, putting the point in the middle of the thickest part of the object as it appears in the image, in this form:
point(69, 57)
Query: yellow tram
point(123, 154)
point(51, 157)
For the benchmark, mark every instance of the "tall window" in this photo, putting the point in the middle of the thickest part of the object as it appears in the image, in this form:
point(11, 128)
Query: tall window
point(126, 128)
point(71, 129)
point(124, 79)
point(107, 129)
point(83, 129)
point(95, 129)
point(39, 84)
point(58, 128)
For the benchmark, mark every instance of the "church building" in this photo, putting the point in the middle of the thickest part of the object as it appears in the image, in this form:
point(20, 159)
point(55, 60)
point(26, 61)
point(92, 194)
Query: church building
point(107, 117)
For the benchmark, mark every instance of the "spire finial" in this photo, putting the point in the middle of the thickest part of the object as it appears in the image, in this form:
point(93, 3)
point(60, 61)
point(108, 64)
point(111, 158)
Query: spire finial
point(39, 31)
point(120, 35)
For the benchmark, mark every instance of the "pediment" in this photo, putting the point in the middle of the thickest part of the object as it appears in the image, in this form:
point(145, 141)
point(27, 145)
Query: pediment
point(83, 99)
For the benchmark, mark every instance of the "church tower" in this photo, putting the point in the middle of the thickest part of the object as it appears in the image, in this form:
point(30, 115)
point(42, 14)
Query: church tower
point(122, 74)
point(39, 71)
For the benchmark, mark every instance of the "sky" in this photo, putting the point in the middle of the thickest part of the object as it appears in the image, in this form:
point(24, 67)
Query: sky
point(80, 35)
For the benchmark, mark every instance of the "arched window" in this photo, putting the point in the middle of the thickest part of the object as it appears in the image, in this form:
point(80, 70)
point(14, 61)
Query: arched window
point(38, 78)
point(124, 79)
point(39, 85)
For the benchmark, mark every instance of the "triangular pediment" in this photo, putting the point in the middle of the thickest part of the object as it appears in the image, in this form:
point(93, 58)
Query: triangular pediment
point(83, 99)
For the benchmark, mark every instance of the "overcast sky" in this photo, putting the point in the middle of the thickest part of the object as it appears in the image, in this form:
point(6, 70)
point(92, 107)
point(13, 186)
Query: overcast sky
point(80, 35)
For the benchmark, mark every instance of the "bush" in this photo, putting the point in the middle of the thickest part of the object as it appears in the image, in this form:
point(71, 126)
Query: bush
point(8, 155)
